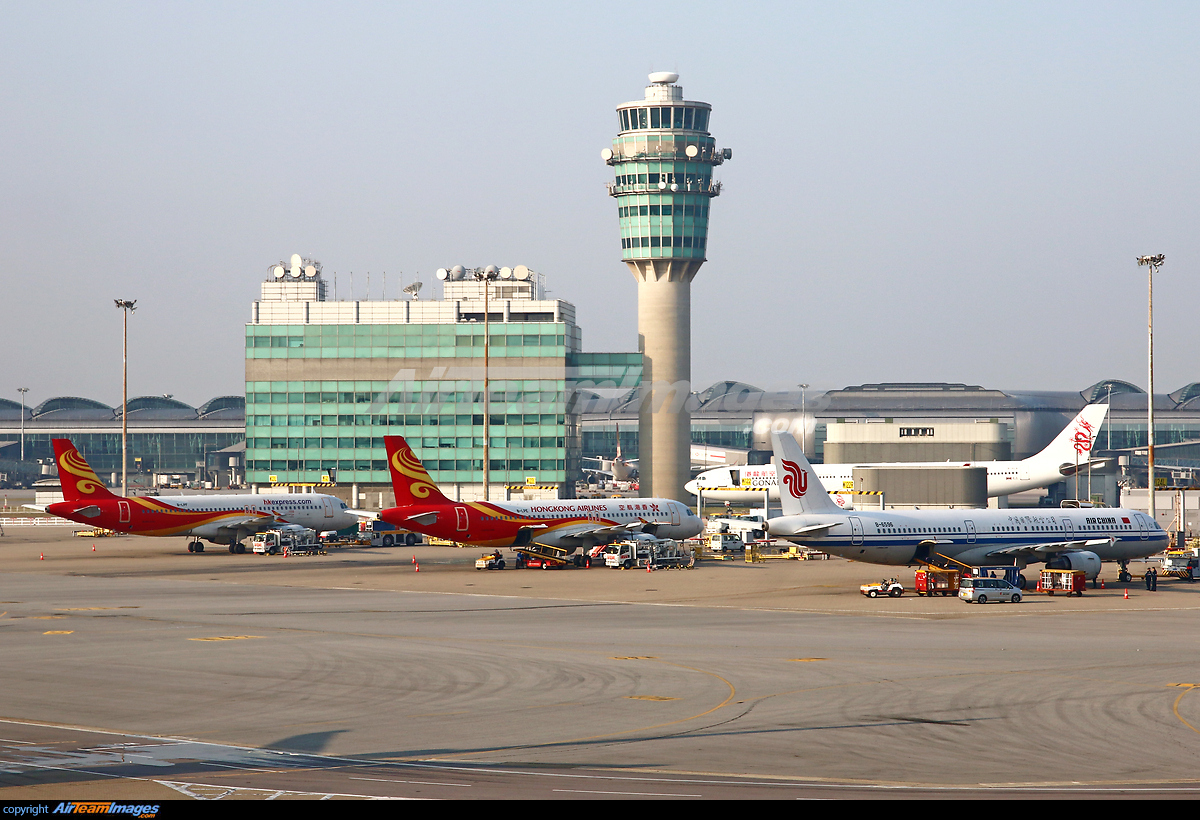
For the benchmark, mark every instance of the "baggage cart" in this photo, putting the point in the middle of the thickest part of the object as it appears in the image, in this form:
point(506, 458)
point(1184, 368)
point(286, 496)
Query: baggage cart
point(937, 581)
point(1070, 581)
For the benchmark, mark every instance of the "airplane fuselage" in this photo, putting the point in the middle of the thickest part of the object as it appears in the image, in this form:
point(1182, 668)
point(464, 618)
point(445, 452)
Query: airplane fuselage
point(976, 537)
point(562, 523)
point(1003, 478)
point(213, 517)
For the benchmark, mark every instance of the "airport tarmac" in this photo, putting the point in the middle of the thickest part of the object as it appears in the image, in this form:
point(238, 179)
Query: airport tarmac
point(139, 670)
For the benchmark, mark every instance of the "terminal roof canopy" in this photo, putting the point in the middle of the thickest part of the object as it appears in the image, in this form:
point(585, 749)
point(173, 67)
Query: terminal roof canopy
point(1100, 391)
point(74, 405)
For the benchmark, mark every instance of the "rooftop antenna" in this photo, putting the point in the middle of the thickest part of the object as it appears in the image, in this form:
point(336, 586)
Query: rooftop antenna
point(413, 290)
point(384, 286)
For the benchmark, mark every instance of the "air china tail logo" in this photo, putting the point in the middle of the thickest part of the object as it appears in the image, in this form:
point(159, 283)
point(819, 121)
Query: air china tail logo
point(795, 479)
point(1084, 433)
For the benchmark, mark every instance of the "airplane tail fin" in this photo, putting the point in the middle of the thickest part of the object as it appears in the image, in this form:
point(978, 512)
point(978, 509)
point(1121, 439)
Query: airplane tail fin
point(79, 481)
point(1075, 441)
point(799, 488)
point(410, 481)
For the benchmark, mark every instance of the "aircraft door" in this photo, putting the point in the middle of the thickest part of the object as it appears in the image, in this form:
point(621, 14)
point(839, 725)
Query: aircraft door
point(463, 521)
point(1143, 526)
point(674, 515)
point(969, 526)
point(123, 507)
point(1068, 529)
point(327, 505)
point(856, 529)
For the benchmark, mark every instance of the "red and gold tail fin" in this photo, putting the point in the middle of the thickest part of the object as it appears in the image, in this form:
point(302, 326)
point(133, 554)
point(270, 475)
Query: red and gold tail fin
point(79, 481)
point(410, 481)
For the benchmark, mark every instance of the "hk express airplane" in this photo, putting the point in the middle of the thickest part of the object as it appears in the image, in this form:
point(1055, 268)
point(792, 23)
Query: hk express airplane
point(1067, 538)
point(566, 524)
point(1070, 451)
point(219, 519)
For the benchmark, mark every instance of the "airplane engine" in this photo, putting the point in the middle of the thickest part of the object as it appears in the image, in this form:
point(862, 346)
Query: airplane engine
point(1089, 562)
point(843, 501)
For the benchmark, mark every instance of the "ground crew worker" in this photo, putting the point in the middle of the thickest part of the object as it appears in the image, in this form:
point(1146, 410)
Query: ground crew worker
point(1153, 579)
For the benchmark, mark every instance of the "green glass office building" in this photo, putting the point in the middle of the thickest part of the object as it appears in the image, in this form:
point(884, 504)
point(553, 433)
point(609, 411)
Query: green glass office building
point(327, 380)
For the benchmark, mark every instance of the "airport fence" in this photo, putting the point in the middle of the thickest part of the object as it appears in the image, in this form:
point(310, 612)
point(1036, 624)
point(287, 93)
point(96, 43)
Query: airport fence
point(35, 521)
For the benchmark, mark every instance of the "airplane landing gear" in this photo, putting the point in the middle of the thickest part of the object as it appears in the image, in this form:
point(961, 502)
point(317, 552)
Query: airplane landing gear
point(237, 548)
point(196, 546)
point(1123, 576)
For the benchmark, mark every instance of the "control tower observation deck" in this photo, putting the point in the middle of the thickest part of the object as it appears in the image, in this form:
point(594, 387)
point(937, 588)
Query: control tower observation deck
point(663, 160)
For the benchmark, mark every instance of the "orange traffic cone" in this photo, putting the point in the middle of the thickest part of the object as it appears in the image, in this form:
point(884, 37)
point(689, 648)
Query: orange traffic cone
point(1126, 593)
point(93, 547)
point(414, 559)
point(41, 556)
point(417, 566)
point(1101, 583)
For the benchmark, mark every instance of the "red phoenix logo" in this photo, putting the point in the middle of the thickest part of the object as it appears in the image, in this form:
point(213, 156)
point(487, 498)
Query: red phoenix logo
point(1083, 437)
point(795, 479)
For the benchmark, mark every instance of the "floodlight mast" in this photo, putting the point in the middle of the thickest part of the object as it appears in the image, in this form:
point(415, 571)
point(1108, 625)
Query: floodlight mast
point(1153, 263)
point(127, 306)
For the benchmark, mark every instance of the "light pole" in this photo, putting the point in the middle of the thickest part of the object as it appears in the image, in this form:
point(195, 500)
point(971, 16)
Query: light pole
point(127, 306)
point(1153, 263)
point(486, 276)
point(803, 421)
point(22, 391)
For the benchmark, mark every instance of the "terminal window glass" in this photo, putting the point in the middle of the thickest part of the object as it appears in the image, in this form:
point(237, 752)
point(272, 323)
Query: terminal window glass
point(654, 120)
point(642, 118)
point(678, 117)
point(688, 115)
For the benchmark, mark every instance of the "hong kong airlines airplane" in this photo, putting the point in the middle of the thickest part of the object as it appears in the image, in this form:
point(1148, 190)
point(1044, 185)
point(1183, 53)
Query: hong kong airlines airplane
point(219, 519)
point(566, 524)
point(1065, 538)
point(1070, 451)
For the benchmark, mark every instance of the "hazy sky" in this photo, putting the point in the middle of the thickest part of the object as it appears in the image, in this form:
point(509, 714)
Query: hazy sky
point(918, 191)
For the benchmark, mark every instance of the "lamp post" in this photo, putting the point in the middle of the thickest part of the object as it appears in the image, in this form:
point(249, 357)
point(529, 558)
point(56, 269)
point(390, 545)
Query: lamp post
point(1153, 263)
point(22, 391)
point(127, 306)
point(803, 421)
point(486, 276)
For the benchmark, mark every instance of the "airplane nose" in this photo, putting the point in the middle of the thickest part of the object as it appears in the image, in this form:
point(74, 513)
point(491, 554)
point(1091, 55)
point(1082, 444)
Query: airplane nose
point(691, 487)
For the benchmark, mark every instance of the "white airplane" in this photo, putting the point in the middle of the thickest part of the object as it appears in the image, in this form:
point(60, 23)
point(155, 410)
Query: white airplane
point(1061, 458)
point(618, 469)
point(1067, 538)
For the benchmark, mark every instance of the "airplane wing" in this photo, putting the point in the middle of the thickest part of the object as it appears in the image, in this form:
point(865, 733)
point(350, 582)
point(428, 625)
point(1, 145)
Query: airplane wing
point(586, 534)
point(809, 530)
point(34, 507)
point(367, 514)
point(423, 519)
point(249, 523)
point(1037, 550)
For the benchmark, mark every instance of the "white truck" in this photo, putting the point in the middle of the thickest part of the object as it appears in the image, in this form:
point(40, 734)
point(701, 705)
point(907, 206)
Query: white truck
point(659, 553)
point(382, 534)
point(290, 539)
point(747, 527)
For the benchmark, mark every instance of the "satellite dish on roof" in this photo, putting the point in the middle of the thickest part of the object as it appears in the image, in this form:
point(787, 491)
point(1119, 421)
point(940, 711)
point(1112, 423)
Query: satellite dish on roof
point(310, 271)
point(297, 262)
point(692, 151)
point(278, 271)
point(491, 269)
point(506, 273)
point(521, 272)
point(457, 272)
point(414, 289)
point(606, 154)
point(442, 273)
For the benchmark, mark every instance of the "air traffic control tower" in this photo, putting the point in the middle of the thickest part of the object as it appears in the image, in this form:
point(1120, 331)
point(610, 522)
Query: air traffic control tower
point(663, 160)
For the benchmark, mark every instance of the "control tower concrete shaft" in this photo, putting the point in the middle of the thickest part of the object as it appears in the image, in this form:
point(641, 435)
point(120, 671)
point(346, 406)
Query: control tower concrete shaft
point(663, 161)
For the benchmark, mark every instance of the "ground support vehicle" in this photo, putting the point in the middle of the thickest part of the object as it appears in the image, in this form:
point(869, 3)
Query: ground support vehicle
point(378, 533)
point(793, 552)
point(1183, 564)
point(658, 553)
point(1070, 581)
point(538, 556)
point(722, 542)
point(290, 539)
point(937, 581)
point(97, 533)
point(490, 560)
point(981, 590)
point(890, 587)
point(1008, 572)
point(747, 527)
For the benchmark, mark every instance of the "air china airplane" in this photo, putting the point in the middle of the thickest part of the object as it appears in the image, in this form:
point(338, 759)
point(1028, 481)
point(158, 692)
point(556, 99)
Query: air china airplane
point(1069, 451)
point(1067, 538)
point(566, 524)
point(219, 519)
